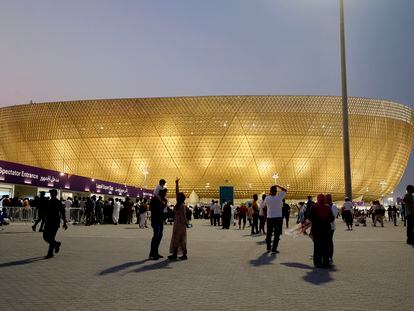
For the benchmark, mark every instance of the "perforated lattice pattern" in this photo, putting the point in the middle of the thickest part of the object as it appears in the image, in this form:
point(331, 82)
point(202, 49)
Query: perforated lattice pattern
point(213, 141)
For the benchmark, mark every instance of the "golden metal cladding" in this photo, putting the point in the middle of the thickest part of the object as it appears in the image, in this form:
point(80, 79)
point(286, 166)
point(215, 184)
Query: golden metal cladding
point(249, 142)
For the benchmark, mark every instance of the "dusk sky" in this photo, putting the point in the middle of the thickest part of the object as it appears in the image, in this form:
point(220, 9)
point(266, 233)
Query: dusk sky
point(69, 50)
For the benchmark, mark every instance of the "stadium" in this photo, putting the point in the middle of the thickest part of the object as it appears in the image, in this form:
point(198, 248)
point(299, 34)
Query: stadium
point(248, 142)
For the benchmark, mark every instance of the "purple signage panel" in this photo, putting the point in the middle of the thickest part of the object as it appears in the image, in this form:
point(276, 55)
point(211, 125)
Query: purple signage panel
point(15, 173)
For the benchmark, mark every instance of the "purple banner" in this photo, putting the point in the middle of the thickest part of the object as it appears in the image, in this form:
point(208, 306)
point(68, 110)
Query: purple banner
point(15, 173)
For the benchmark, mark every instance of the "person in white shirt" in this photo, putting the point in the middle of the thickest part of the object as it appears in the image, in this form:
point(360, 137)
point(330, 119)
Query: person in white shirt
point(274, 205)
point(347, 208)
point(262, 216)
point(212, 212)
point(378, 210)
point(115, 213)
point(232, 220)
point(142, 211)
point(68, 205)
point(159, 187)
point(217, 213)
point(334, 209)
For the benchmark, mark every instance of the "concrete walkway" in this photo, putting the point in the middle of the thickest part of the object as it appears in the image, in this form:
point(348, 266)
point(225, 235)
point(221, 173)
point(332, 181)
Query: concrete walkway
point(105, 267)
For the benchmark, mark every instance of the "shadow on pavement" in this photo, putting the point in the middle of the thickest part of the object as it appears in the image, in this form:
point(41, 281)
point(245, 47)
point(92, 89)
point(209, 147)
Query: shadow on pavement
point(164, 264)
point(297, 265)
point(318, 276)
point(16, 232)
point(254, 235)
point(264, 259)
point(20, 262)
point(122, 267)
point(315, 276)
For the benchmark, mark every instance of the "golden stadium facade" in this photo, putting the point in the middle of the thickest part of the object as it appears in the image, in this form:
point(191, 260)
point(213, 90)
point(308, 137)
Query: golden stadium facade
point(244, 141)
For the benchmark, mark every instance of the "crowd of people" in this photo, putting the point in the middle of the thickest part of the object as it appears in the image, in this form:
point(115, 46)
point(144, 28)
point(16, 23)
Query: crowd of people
point(265, 216)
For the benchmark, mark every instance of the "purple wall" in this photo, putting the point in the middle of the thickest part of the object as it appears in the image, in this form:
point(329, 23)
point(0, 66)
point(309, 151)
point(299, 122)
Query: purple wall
point(15, 173)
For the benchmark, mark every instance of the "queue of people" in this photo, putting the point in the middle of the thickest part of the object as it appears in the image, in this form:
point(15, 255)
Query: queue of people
point(94, 210)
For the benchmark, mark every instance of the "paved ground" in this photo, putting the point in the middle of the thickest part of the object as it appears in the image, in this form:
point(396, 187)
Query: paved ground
point(105, 268)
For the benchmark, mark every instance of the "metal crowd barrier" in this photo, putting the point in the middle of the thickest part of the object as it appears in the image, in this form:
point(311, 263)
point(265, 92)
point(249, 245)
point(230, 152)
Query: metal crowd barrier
point(22, 214)
point(75, 214)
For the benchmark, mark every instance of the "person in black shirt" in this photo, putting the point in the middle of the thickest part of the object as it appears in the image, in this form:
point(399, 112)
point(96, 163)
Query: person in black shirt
point(89, 211)
point(286, 212)
point(54, 211)
point(226, 215)
point(40, 204)
point(99, 207)
point(157, 206)
point(309, 205)
point(75, 212)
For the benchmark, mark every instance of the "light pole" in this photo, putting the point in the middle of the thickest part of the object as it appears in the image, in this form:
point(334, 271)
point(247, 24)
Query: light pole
point(345, 119)
point(145, 172)
point(383, 183)
point(275, 177)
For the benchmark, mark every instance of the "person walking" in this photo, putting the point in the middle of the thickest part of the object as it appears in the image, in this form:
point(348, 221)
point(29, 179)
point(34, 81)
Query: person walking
point(409, 213)
point(179, 234)
point(334, 209)
point(262, 215)
point(42, 203)
point(249, 214)
point(402, 213)
point(157, 205)
point(321, 218)
point(242, 215)
point(347, 209)
point(255, 215)
point(379, 212)
point(394, 214)
point(301, 212)
point(54, 211)
point(274, 204)
point(286, 212)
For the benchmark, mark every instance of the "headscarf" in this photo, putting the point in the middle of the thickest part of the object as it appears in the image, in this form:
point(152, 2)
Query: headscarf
point(321, 210)
point(328, 199)
point(320, 199)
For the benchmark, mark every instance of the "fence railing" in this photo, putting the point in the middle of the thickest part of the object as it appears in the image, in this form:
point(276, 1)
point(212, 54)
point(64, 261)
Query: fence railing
point(27, 214)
